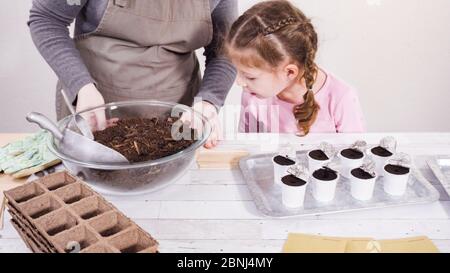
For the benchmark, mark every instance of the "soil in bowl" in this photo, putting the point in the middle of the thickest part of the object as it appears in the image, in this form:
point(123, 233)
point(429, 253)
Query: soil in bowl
point(143, 139)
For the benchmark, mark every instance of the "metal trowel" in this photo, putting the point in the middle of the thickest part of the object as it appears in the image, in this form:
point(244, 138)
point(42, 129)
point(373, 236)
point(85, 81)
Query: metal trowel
point(76, 145)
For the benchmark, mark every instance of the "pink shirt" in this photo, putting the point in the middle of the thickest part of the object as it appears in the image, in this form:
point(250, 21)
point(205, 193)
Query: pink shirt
point(340, 111)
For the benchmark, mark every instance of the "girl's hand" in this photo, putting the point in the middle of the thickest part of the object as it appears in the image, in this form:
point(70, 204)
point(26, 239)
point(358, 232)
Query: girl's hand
point(210, 112)
point(89, 97)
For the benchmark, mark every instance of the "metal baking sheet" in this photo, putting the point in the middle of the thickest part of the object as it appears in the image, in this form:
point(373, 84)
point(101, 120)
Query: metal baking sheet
point(440, 165)
point(257, 171)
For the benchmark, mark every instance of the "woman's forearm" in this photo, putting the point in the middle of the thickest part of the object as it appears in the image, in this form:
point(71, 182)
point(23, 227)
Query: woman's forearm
point(219, 73)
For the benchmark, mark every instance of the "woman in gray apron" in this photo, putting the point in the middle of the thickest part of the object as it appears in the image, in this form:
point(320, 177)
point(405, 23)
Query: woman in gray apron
point(136, 49)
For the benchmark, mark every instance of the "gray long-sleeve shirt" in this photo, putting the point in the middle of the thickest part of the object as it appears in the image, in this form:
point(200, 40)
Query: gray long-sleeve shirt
point(49, 21)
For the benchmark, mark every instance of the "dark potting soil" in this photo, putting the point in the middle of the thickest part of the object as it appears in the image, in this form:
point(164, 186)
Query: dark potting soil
point(361, 174)
point(380, 151)
point(318, 155)
point(325, 174)
point(352, 153)
point(395, 169)
point(143, 139)
point(284, 161)
point(293, 181)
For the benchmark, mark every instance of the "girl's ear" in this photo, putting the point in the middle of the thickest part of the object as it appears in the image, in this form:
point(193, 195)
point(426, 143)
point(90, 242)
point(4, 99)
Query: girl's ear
point(292, 71)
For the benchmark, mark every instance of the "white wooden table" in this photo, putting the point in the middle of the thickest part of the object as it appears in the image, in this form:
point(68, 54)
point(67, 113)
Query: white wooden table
point(213, 211)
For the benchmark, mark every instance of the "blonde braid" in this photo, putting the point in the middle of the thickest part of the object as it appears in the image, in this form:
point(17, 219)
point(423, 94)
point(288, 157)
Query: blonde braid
point(279, 25)
point(306, 113)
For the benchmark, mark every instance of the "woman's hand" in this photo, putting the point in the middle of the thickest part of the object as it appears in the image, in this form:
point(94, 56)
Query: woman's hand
point(89, 97)
point(210, 113)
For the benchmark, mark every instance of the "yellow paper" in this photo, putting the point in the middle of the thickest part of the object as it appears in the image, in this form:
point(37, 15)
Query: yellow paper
point(302, 243)
point(420, 244)
point(360, 245)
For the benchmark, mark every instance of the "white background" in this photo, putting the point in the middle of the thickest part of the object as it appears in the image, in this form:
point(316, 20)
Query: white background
point(395, 52)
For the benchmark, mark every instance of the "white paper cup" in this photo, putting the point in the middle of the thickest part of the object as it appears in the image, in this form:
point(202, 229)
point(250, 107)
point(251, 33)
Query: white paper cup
point(279, 171)
point(362, 189)
point(380, 161)
point(395, 184)
point(314, 164)
point(348, 164)
point(293, 196)
point(324, 191)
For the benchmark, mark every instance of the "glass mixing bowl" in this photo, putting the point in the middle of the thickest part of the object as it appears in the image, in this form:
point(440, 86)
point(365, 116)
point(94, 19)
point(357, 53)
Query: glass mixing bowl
point(141, 177)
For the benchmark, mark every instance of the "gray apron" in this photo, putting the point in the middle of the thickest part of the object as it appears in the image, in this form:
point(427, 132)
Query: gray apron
point(145, 49)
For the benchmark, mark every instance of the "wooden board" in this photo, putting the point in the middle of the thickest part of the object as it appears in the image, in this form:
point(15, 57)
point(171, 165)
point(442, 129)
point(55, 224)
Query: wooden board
point(219, 159)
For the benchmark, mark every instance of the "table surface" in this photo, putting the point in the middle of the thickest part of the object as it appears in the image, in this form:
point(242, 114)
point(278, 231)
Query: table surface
point(213, 211)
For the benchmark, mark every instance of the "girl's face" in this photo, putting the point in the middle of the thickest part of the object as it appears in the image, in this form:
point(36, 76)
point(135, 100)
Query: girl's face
point(265, 83)
point(259, 82)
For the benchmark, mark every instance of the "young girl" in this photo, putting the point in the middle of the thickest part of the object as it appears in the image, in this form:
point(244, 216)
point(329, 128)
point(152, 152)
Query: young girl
point(273, 46)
